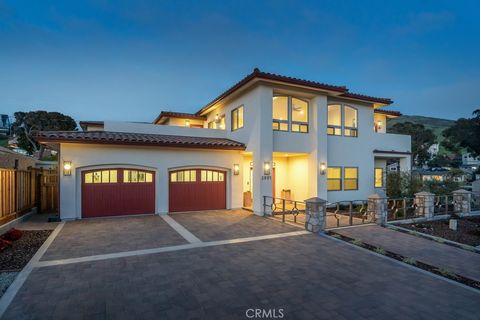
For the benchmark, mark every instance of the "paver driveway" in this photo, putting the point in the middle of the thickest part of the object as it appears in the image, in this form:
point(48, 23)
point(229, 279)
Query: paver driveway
point(308, 276)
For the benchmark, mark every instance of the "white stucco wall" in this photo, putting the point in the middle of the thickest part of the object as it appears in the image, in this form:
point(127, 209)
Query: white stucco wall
point(160, 160)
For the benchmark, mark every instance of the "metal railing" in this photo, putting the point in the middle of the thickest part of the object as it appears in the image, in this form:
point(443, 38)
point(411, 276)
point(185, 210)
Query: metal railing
point(443, 205)
point(402, 208)
point(347, 213)
point(290, 210)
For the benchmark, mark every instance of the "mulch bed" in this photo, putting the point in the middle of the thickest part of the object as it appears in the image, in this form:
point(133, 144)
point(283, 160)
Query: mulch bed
point(468, 231)
point(14, 258)
point(425, 266)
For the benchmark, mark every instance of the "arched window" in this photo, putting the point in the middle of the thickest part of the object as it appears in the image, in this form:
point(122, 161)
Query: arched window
point(342, 119)
point(289, 113)
point(350, 122)
point(334, 120)
point(280, 113)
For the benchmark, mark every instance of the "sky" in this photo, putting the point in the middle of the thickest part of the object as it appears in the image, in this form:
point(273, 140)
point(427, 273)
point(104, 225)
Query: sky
point(129, 60)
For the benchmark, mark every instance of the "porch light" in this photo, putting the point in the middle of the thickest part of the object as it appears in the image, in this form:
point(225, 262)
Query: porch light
point(323, 168)
point(236, 169)
point(67, 168)
point(266, 168)
point(187, 123)
point(379, 124)
point(216, 117)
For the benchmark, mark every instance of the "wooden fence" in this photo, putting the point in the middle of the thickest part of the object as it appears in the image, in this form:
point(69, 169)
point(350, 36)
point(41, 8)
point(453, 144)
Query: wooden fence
point(22, 190)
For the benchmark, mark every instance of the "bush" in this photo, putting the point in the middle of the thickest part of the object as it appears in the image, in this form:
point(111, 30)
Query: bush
point(403, 184)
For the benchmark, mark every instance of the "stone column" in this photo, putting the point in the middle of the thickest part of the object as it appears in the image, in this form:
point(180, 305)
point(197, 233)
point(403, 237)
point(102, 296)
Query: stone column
point(378, 207)
point(462, 201)
point(425, 202)
point(315, 214)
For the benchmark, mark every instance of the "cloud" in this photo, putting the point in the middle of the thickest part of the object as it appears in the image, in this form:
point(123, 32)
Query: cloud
point(424, 22)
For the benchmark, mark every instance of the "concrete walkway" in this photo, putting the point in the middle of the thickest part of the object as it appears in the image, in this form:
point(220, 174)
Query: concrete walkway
point(304, 275)
point(440, 255)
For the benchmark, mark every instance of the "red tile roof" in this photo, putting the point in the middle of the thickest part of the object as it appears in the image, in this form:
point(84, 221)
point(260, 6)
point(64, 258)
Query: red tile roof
point(312, 84)
point(388, 112)
point(181, 115)
point(143, 139)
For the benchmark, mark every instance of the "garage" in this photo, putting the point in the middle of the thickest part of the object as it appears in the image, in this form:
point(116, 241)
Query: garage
point(197, 189)
point(117, 192)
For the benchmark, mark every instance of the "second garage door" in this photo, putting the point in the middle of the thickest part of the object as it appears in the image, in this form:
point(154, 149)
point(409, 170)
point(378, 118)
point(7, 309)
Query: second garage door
point(197, 189)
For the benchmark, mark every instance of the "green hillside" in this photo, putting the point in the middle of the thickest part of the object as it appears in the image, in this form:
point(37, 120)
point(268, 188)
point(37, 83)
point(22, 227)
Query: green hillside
point(435, 124)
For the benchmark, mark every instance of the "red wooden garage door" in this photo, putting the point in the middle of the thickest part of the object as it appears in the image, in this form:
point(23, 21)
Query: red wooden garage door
point(197, 189)
point(116, 192)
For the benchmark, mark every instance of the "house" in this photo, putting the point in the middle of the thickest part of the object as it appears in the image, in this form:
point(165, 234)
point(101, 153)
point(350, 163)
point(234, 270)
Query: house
point(10, 159)
point(433, 150)
point(442, 174)
point(5, 125)
point(468, 160)
point(267, 135)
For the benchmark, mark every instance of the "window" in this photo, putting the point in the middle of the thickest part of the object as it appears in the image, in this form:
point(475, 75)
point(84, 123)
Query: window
point(334, 178)
point(209, 176)
point(211, 125)
point(280, 113)
point(350, 122)
point(334, 120)
point(286, 109)
point(237, 118)
point(136, 176)
point(378, 177)
point(183, 176)
point(299, 115)
point(103, 176)
point(350, 181)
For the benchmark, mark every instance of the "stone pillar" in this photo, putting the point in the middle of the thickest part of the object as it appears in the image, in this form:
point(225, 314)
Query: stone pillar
point(378, 207)
point(315, 214)
point(425, 202)
point(462, 201)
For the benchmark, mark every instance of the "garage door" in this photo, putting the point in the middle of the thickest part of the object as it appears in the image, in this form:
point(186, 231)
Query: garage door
point(116, 192)
point(197, 189)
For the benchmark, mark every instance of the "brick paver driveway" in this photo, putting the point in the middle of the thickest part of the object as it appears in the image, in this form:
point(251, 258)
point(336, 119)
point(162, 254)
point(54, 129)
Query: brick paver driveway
point(306, 275)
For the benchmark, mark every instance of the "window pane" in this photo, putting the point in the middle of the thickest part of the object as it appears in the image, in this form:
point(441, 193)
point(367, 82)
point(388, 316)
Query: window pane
point(333, 185)
point(222, 122)
point(304, 128)
point(350, 184)
point(215, 176)
point(97, 177)
point(221, 176)
point(350, 117)
point(149, 177)
point(186, 176)
point(88, 178)
point(299, 110)
point(334, 173)
point(209, 175)
point(378, 177)
point(330, 130)
point(275, 126)
point(113, 176)
point(105, 176)
point(234, 119)
point(334, 115)
point(126, 175)
point(295, 127)
point(240, 117)
point(180, 176)
point(203, 175)
point(133, 176)
point(283, 126)
point(193, 175)
point(351, 173)
point(280, 108)
point(173, 177)
point(141, 176)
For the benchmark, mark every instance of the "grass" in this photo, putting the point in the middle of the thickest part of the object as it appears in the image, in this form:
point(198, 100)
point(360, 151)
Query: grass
point(469, 248)
point(357, 242)
point(447, 273)
point(380, 251)
point(410, 261)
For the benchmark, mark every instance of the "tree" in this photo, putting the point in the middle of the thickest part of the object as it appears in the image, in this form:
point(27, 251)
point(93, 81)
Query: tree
point(28, 122)
point(465, 133)
point(422, 139)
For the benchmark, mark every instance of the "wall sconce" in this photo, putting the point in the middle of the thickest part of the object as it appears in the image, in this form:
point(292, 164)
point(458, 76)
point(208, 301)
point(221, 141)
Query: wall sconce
point(187, 123)
point(67, 168)
point(323, 168)
point(266, 168)
point(236, 169)
point(379, 125)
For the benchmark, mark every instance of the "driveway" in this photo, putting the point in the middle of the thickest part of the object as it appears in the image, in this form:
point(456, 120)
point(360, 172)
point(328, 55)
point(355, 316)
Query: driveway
point(233, 267)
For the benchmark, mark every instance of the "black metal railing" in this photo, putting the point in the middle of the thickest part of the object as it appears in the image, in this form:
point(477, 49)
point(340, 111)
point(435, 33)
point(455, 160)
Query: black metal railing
point(347, 213)
point(402, 208)
point(286, 209)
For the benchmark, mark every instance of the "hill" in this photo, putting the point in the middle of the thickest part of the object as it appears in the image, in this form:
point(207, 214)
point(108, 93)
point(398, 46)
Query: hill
point(437, 125)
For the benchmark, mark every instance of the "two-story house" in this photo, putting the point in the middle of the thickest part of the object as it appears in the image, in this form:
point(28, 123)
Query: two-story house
point(268, 135)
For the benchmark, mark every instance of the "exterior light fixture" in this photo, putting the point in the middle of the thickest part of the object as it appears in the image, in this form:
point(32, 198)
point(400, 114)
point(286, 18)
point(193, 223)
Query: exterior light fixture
point(236, 169)
point(266, 168)
point(217, 117)
point(379, 124)
point(323, 168)
point(187, 123)
point(67, 168)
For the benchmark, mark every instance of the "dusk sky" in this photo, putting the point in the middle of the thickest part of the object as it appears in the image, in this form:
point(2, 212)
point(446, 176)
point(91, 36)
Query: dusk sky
point(129, 60)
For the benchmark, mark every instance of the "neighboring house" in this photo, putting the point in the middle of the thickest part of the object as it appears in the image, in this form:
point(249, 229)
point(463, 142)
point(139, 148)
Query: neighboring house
point(469, 160)
point(433, 150)
point(441, 174)
point(5, 125)
point(267, 135)
point(12, 160)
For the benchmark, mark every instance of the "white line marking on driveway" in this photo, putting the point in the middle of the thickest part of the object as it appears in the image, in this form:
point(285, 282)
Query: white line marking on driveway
point(23, 275)
point(166, 249)
point(187, 235)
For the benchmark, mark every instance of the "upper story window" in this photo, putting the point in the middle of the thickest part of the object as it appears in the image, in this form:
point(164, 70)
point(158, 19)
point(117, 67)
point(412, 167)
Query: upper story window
point(289, 113)
point(342, 119)
point(237, 118)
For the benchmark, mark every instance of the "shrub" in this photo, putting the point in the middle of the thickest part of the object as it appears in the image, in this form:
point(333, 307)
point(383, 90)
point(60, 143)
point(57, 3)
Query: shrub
point(411, 261)
point(357, 242)
point(379, 251)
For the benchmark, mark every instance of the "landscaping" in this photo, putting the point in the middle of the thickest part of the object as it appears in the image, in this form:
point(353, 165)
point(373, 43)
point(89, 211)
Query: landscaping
point(468, 230)
point(16, 249)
